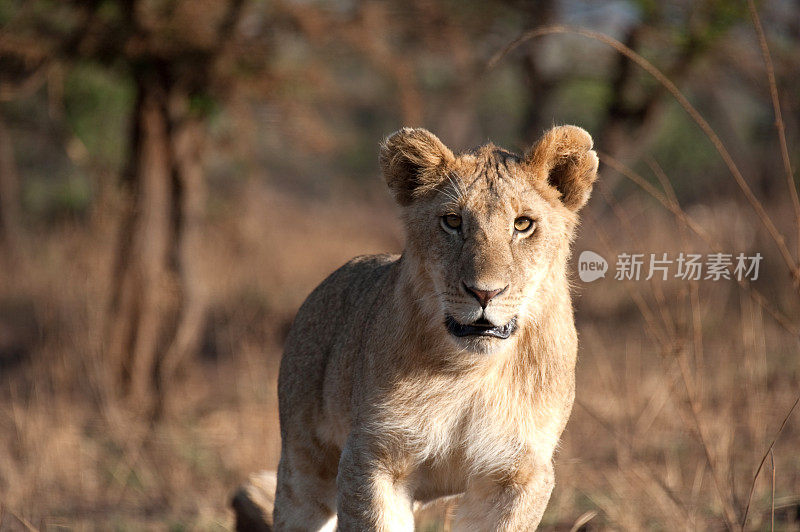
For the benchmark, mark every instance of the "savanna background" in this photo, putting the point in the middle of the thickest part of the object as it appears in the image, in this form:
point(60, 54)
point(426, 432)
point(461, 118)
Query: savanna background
point(176, 176)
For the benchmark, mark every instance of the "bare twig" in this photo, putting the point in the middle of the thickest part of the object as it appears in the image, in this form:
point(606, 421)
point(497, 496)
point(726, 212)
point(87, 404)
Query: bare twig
point(582, 520)
point(776, 106)
point(24, 522)
point(772, 505)
point(764, 459)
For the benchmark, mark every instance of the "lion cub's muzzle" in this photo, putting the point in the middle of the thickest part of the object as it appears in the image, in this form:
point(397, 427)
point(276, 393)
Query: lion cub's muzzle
point(482, 327)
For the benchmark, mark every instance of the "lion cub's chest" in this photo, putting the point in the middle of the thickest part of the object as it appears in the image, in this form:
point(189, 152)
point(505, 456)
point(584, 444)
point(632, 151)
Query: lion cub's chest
point(466, 427)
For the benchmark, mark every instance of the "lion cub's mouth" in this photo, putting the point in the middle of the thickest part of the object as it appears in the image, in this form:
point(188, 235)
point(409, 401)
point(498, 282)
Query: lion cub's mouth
point(482, 327)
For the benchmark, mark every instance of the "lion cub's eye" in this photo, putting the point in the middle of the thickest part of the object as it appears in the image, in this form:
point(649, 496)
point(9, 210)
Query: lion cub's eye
point(451, 220)
point(523, 224)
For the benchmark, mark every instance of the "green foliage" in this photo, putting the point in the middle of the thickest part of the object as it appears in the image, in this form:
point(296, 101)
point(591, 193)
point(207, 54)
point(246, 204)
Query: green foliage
point(706, 23)
point(110, 11)
point(720, 16)
point(582, 101)
point(203, 104)
point(7, 10)
point(56, 198)
point(691, 162)
point(98, 104)
point(647, 8)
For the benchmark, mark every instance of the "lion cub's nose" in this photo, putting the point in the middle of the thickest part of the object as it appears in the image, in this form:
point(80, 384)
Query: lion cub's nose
point(484, 296)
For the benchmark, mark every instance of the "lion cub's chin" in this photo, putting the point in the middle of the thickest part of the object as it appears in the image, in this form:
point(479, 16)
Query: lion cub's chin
point(481, 345)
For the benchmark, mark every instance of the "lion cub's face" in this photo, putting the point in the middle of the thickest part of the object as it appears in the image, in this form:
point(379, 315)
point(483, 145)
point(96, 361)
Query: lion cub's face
point(488, 227)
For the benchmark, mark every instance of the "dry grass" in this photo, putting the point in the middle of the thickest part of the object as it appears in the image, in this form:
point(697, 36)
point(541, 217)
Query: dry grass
point(70, 455)
point(685, 389)
point(636, 452)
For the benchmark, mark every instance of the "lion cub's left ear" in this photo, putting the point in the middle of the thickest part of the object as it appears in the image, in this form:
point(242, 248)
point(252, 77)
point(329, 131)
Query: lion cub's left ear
point(565, 159)
point(413, 161)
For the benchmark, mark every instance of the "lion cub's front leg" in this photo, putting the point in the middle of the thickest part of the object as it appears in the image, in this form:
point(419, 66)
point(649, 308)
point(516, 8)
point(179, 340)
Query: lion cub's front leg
point(371, 495)
point(515, 503)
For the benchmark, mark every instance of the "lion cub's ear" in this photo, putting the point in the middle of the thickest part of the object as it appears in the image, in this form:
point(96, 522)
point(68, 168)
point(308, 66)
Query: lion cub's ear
point(564, 157)
point(413, 162)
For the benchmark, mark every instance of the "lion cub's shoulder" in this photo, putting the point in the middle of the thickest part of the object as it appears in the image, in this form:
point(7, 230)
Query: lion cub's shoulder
point(359, 273)
point(326, 322)
point(346, 289)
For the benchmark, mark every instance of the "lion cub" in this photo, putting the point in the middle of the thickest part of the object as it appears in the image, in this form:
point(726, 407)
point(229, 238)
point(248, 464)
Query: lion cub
point(448, 369)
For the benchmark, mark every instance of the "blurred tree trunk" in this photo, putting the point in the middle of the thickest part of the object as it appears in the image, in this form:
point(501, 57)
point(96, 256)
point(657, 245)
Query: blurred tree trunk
point(158, 299)
point(157, 306)
point(190, 199)
point(10, 212)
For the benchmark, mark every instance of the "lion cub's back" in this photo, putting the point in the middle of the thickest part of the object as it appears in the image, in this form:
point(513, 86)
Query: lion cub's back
point(314, 383)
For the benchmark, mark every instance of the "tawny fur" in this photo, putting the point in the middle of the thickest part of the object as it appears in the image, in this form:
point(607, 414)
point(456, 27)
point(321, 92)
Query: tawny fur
point(380, 405)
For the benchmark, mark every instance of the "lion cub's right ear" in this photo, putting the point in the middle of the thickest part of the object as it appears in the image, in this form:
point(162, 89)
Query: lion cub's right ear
point(413, 161)
point(564, 159)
